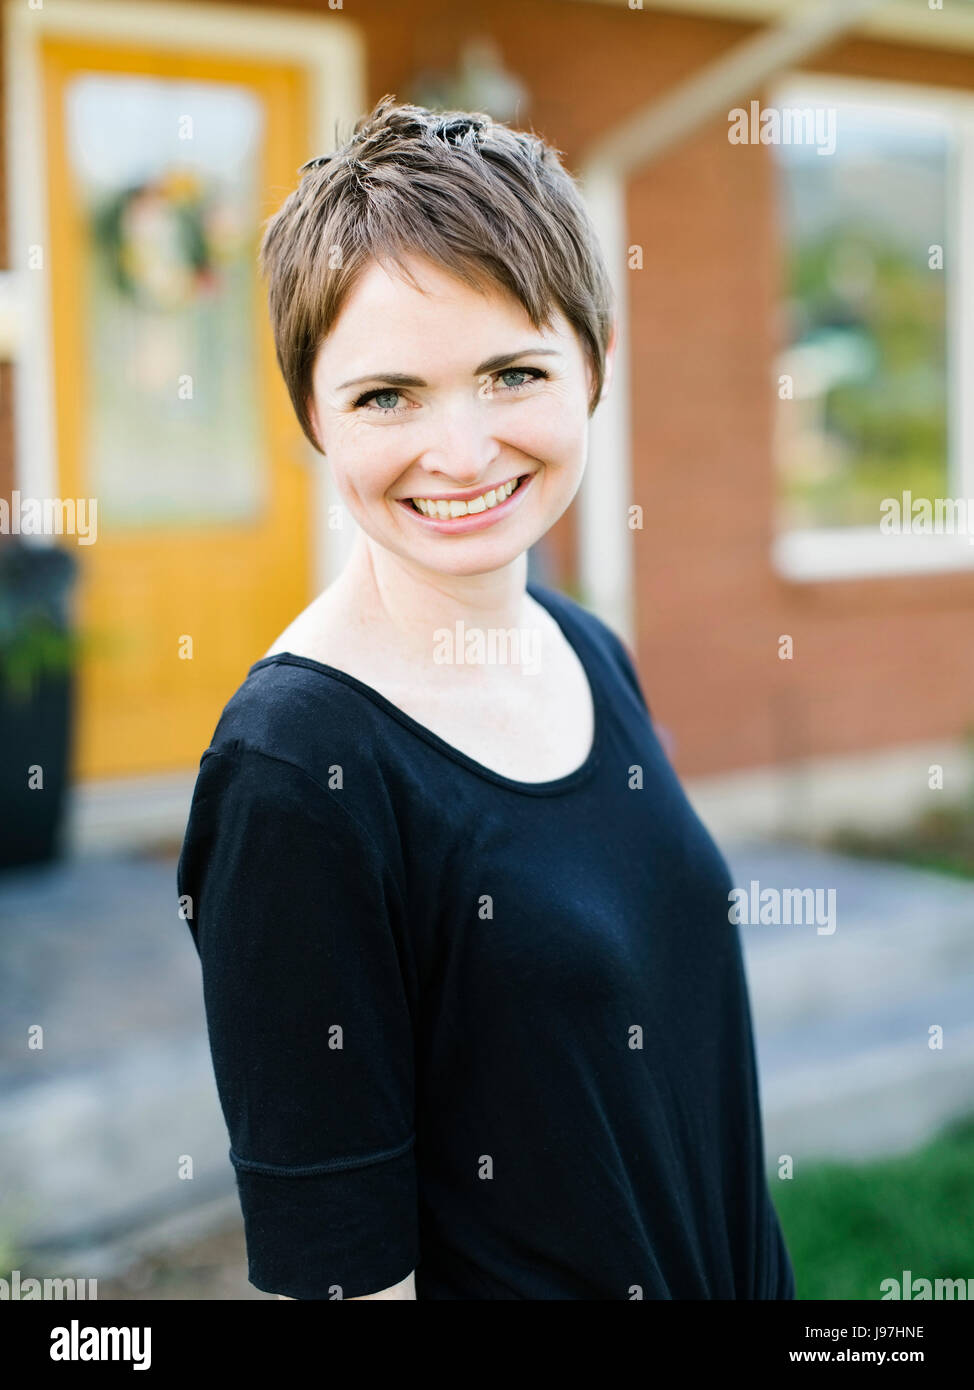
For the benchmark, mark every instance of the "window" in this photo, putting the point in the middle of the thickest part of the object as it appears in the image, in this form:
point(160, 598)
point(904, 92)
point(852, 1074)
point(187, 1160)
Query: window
point(869, 407)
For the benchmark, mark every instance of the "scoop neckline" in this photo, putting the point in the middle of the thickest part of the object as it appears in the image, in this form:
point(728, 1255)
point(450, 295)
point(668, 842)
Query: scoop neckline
point(554, 785)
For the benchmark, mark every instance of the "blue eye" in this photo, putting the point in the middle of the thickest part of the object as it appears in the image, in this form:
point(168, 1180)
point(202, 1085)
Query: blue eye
point(536, 374)
point(383, 391)
point(532, 374)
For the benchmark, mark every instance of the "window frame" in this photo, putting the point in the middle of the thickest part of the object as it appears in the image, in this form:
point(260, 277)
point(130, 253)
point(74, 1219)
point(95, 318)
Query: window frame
point(812, 554)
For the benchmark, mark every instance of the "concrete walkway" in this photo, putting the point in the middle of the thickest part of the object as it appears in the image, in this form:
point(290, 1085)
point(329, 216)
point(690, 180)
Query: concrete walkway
point(842, 1021)
point(95, 1124)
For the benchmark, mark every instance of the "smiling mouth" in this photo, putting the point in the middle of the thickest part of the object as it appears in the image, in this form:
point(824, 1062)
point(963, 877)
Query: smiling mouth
point(487, 501)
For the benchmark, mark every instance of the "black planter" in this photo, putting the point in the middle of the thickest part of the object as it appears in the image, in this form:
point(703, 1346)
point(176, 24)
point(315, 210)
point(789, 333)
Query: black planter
point(35, 733)
point(35, 716)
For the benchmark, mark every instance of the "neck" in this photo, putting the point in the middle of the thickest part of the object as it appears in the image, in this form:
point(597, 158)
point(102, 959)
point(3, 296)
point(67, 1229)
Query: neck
point(403, 604)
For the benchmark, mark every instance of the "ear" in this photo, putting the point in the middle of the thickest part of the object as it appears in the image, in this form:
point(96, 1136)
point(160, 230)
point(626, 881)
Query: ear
point(610, 360)
point(313, 419)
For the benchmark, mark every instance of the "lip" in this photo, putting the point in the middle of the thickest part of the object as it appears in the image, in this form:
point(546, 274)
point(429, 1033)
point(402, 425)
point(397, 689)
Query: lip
point(477, 521)
point(466, 493)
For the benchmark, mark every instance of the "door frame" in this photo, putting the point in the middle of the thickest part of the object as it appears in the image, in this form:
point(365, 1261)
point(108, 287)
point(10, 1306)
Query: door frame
point(328, 46)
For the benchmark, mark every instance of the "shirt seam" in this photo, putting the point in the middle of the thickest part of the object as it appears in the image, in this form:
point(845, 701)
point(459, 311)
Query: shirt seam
point(572, 781)
point(238, 746)
point(334, 1165)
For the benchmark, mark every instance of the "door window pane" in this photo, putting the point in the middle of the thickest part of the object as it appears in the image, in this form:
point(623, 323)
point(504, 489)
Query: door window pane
point(166, 175)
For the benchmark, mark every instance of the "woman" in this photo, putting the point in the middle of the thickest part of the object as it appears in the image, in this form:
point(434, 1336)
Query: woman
point(478, 1017)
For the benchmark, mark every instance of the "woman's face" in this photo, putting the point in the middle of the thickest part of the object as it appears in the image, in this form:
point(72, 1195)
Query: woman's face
point(446, 395)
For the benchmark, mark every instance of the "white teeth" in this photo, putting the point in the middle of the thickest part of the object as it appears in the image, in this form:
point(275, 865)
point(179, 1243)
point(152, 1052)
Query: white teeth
point(439, 508)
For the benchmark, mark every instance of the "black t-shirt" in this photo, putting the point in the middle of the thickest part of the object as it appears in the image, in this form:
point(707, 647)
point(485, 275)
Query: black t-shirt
point(497, 1032)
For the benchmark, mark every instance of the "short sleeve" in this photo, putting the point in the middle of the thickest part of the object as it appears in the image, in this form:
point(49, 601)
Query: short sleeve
point(626, 660)
point(295, 918)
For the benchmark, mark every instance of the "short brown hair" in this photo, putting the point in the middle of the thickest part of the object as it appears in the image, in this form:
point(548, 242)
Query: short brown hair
point(491, 205)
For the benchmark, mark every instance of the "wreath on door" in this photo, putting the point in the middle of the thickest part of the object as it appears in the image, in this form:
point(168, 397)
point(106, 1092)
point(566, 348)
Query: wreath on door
point(156, 243)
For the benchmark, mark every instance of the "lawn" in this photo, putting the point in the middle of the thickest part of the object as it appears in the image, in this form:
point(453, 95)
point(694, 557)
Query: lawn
point(942, 838)
point(850, 1226)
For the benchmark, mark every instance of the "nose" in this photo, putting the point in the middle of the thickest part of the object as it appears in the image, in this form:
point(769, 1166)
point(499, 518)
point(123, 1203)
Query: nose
point(460, 446)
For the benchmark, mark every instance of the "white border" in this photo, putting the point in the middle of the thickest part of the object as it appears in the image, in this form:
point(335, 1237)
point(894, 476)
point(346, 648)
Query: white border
point(328, 45)
point(863, 551)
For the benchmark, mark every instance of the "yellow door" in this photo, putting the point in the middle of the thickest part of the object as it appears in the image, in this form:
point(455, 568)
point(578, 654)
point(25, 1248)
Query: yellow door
point(171, 415)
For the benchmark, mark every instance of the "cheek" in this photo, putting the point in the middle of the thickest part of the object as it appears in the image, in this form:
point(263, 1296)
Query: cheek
point(554, 435)
point(369, 467)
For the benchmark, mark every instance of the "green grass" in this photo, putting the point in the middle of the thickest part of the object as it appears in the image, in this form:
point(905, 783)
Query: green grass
point(849, 1226)
point(942, 840)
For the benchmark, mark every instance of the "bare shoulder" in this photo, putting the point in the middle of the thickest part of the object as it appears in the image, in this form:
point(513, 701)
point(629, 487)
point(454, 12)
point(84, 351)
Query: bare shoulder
point(316, 632)
point(332, 631)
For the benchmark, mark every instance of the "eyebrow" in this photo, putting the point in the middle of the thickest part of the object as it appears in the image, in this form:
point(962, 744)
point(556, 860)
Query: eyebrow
point(493, 364)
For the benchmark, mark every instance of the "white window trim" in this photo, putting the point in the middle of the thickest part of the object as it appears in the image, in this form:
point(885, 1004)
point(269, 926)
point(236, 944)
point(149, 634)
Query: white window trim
point(605, 540)
point(328, 45)
point(863, 551)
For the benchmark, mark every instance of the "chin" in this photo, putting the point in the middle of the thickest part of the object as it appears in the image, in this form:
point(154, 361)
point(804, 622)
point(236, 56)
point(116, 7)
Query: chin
point(460, 558)
point(464, 556)
point(461, 570)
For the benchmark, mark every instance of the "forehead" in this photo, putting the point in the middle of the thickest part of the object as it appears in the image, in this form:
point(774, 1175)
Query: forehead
point(382, 299)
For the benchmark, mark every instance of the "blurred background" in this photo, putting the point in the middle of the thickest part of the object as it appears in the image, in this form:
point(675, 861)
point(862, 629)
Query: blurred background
point(796, 308)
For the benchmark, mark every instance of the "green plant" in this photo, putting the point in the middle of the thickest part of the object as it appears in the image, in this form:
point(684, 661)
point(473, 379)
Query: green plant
point(968, 739)
point(941, 838)
point(36, 635)
point(31, 649)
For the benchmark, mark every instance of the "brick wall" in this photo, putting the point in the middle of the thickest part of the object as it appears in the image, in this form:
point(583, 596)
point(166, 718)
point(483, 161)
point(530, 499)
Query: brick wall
point(878, 662)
